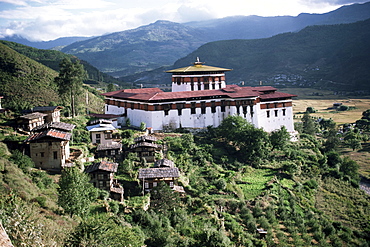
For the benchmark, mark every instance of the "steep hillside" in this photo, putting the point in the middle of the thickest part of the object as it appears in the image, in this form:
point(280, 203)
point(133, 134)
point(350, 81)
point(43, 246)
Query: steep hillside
point(329, 56)
point(25, 82)
point(52, 58)
point(162, 43)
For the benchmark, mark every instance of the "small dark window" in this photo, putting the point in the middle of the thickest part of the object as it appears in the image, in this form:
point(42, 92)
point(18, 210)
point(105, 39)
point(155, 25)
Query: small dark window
point(42, 154)
point(268, 113)
point(276, 113)
point(55, 155)
point(284, 112)
point(223, 106)
point(203, 107)
point(213, 107)
point(193, 109)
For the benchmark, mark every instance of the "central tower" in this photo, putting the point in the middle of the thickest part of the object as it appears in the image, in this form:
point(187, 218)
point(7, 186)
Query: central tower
point(198, 77)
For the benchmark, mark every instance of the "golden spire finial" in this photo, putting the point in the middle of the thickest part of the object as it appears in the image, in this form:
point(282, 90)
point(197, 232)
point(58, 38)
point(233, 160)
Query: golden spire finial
point(198, 63)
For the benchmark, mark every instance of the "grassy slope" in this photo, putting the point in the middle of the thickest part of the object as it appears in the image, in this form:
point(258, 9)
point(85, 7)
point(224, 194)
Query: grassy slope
point(24, 81)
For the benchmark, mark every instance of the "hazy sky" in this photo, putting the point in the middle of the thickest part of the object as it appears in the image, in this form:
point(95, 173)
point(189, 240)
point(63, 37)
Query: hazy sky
point(51, 19)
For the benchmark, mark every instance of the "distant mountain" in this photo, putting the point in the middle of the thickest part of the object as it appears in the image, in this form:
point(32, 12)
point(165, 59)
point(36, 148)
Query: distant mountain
point(61, 42)
point(328, 56)
point(140, 49)
point(254, 27)
point(163, 42)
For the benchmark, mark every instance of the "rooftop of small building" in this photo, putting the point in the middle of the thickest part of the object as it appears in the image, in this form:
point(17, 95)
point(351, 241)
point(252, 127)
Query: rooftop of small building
point(167, 172)
point(100, 127)
point(109, 146)
point(49, 133)
point(55, 125)
point(47, 108)
point(102, 166)
point(33, 115)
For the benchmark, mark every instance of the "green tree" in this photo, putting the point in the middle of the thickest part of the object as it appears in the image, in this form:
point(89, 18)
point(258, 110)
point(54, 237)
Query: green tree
point(279, 138)
point(310, 109)
point(103, 231)
point(350, 168)
point(309, 126)
point(75, 192)
point(353, 140)
point(163, 198)
point(364, 122)
point(142, 126)
point(111, 87)
point(70, 81)
point(249, 142)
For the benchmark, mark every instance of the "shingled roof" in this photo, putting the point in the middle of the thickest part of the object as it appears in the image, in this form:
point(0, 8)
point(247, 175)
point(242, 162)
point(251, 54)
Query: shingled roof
point(46, 108)
point(103, 166)
point(145, 173)
point(55, 125)
point(53, 133)
point(109, 146)
point(33, 115)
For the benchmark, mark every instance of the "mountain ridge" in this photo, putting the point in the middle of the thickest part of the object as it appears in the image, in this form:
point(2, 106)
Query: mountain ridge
point(324, 56)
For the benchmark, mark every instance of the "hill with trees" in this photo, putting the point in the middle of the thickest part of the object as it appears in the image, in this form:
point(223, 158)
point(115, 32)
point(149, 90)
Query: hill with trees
point(244, 187)
point(327, 57)
point(27, 78)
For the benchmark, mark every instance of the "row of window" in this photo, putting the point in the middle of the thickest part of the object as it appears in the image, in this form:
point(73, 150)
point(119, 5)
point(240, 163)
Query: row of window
point(42, 154)
point(276, 112)
point(146, 185)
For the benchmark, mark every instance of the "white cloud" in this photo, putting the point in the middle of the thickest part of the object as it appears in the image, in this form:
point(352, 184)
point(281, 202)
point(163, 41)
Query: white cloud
point(50, 19)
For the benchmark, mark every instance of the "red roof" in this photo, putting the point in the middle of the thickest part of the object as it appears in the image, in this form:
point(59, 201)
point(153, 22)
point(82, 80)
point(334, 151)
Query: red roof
point(231, 91)
point(49, 133)
point(102, 165)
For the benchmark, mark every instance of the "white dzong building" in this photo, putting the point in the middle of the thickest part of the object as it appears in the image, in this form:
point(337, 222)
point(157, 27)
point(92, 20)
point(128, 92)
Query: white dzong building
point(199, 98)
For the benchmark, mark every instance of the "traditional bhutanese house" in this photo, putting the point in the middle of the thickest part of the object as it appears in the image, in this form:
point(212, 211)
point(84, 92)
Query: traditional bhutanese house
point(102, 177)
point(30, 121)
point(200, 98)
point(145, 147)
point(49, 145)
point(110, 150)
point(151, 177)
point(101, 131)
point(53, 112)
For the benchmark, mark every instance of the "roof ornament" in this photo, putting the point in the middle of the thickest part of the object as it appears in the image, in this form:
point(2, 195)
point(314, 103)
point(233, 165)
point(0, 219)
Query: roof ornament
point(198, 63)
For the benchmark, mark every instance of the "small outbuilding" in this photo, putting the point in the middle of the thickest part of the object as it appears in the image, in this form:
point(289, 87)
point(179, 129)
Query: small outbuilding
point(145, 147)
point(52, 112)
point(30, 121)
point(102, 177)
point(151, 177)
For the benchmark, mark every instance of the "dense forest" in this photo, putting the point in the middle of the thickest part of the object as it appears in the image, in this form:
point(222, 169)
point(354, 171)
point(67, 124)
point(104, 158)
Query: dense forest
point(243, 187)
